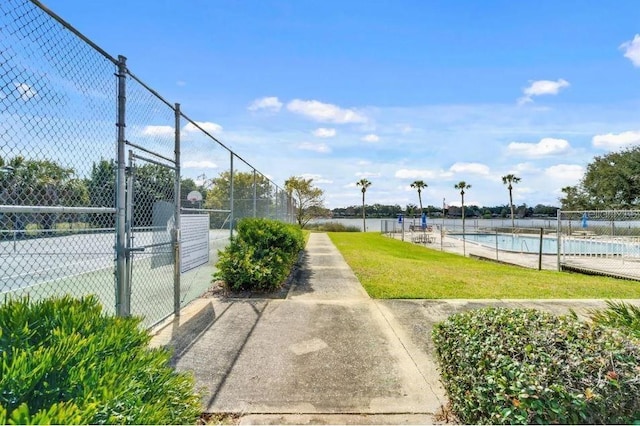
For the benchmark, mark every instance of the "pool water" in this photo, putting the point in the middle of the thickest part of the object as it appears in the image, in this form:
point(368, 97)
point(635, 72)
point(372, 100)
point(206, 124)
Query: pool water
point(531, 244)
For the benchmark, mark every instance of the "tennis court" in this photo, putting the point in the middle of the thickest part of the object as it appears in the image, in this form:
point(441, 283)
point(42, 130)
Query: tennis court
point(84, 263)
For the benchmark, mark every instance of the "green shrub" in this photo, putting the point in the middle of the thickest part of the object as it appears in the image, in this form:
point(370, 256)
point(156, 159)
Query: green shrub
point(62, 361)
point(265, 235)
point(332, 227)
point(514, 366)
point(621, 316)
point(260, 256)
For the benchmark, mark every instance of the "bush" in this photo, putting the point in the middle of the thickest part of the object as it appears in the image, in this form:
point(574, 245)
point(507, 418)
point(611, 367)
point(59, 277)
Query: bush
point(62, 361)
point(332, 227)
point(514, 366)
point(621, 316)
point(261, 255)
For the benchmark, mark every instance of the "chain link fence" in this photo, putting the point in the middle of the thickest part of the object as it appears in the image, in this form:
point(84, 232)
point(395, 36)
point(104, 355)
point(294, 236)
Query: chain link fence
point(56, 145)
point(91, 192)
point(604, 242)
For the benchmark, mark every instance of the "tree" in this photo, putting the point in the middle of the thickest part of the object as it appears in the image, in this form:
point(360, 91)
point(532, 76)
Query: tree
point(363, 184)
point(102, 191)
point(542, 210)
point(151, 183)
point(245, 186)
point(419, 185)
point(509, 180)
point(574, 198)
point(410, 209)
point(462, 185)
point(39, 183)
point(613, 180)
point(309, 201)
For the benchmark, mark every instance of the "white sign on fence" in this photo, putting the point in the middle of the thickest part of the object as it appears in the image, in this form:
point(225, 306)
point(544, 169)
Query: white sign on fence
point(194, 241)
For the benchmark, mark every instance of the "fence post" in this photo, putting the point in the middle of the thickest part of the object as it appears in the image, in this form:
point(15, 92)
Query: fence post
point(559, 235)
point(176, 221)
point(255, 195)
point(540, 250)
point(128, 223)
point(123, 302)
point(231, 215)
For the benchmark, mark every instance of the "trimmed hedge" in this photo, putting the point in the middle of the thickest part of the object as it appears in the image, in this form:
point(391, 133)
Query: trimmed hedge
point(260, 256)
point(62, 361)
point(517, 366)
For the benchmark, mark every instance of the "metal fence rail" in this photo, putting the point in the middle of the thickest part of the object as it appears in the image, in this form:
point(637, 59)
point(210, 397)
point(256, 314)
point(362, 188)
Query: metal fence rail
point(600, 241)
point(91, 185)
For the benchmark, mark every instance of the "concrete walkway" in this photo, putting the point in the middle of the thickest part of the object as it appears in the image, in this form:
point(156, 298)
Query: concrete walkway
point(325, 354)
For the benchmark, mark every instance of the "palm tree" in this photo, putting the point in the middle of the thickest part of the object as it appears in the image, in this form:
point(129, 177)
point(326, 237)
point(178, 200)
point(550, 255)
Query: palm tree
point(419, 185)
point(462, 185)
point(364, 184)
point(509, 180)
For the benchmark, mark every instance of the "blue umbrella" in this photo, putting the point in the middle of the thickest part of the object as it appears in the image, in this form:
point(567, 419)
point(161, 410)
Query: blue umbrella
point(584, 220)
point(399, 218)
point(424, 220)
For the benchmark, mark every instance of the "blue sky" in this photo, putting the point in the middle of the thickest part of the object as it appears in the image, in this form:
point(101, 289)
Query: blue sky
point(392, 91)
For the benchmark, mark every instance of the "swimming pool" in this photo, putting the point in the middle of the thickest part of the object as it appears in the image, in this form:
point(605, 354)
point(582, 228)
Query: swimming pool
point(531, 244)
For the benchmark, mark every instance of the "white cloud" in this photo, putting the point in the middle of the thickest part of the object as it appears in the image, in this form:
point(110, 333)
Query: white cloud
point(364, 163)
point(565, 172)
point(325, 113)
point(206, 125)
point(204, 164)
point(614, 141)
point(158, 131)
point(323, 132)
point(316, 178)
point(370, 138)
point(546, 146)
point(525, 168)
point(316, 147)
point(473, 168)
point(26, 92)
point(181, 83)
point(310, 176)
point(632, 50)
point(367, 174)
point(414, 174)
point(542, 87)
point(269, 103)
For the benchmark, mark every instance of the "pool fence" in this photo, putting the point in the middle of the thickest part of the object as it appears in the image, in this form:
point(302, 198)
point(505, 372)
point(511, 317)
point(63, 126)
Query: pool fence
point(605, 242)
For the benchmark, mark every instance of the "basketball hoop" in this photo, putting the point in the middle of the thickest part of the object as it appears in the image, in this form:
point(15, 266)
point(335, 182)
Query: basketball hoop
point(194, 196)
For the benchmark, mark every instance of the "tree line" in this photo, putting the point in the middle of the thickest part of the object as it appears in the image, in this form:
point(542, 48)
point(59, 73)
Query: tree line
point(32, 182)
point(611, 181)
point(413, 210)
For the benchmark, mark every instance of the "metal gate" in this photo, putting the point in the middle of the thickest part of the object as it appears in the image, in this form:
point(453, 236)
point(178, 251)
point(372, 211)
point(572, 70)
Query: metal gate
point(151, 229)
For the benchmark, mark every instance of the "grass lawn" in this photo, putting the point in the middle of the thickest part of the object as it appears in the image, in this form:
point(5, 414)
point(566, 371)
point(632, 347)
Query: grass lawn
point(392, 269)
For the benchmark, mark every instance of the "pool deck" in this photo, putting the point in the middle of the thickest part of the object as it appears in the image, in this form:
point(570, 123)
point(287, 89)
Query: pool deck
point(622, 267)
